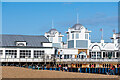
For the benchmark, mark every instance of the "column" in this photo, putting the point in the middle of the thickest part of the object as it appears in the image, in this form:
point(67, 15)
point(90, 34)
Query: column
point(96, 55)
point(102, 54)
point(32, 53)
point(18, 53)
point(4, 53)
point(115, 55)
point(74, 42)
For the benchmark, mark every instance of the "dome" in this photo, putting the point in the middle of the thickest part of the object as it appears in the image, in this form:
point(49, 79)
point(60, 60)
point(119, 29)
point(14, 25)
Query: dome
point(52, 31)
point(77, 26)
point(109, 46)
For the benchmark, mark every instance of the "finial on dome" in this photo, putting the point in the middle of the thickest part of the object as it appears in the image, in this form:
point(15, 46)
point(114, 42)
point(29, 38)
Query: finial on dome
point(77, 18)
point(52, 24)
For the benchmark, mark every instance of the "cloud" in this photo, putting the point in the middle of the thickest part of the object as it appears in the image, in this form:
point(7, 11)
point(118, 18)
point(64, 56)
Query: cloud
point(100, 19)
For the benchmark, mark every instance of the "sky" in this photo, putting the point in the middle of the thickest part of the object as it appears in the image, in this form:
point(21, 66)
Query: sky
point(35, 18)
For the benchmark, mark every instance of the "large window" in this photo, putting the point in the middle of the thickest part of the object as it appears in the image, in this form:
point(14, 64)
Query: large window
point(38, 54)
point(25, 53)
point(86, 36)
point(11, 53)
point(77, 36)
point(72, 36)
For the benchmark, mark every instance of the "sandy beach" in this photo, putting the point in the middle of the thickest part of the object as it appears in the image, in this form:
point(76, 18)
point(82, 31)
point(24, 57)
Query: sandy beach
point(18, 72)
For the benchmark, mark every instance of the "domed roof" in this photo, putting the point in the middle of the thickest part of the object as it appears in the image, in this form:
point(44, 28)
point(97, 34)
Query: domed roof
point(77, 26)
point(52, 31)
point(109, 46)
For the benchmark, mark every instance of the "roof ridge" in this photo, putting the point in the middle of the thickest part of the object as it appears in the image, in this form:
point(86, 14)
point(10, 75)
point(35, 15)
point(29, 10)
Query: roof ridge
point(22, 35)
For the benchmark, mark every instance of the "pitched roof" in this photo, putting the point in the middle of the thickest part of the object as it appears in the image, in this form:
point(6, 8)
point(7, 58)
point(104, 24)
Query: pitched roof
point(31, 40)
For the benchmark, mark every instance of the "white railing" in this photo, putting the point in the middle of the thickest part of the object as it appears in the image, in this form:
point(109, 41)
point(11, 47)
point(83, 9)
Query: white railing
point(57, 60)
point(25, 60)
point(87, 60)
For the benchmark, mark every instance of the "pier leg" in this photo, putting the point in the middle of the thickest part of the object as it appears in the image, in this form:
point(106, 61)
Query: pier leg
point(95, 70)
point(92, 70)
point(86, 70)
point(59, 69)
point(89, 70)
point(45, 68)
point(116, 71)
point(50, 68)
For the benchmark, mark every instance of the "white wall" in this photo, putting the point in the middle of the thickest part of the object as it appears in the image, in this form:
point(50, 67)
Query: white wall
point(47, 44)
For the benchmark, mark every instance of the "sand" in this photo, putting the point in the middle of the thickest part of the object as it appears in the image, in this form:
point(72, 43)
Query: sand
point(18, 72)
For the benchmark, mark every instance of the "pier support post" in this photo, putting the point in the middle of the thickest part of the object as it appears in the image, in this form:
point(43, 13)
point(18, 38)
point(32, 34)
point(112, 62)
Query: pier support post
point(95, 70)
point(102, 70)
point(116, 70)
point(89, 70)
point(86, 70)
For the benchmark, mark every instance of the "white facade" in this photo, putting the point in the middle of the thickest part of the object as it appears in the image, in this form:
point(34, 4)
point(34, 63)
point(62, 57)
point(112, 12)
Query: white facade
point(55, 37)
point(94, 50)
point(26, 54)
point(78, 47)
point(76, 35)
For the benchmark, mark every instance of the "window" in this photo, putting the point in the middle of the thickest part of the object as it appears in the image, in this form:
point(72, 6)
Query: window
point(11, 53)
point(1, 52)
point(21, 43)
point(67, 56)
point(90, 54)
point(68, 36)
point(103, 54)
point(98, 54)
point(102, 44)
point(113, 53)
point(72, 36)
point(59, 39)
point(118, 54)
point(51, 39)
point(86, 36)
point(38, 54)
point(25, 53)
point(77, 36)
point(93, 55)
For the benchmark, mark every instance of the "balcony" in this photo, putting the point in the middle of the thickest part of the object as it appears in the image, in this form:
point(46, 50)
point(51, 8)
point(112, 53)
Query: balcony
point(24, 60)
point(57, 60)
point(87, 60)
